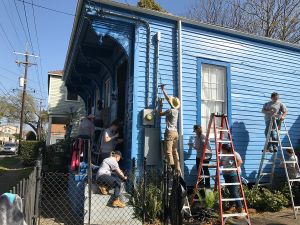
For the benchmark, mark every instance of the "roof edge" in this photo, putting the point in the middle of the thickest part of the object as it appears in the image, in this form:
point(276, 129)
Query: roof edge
point(206, 26)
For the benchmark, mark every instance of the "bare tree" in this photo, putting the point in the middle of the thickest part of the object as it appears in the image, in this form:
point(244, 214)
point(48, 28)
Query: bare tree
point(278, 19)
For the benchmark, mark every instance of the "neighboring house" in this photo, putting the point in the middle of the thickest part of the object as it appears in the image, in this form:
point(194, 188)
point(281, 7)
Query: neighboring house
point(121, 54)
point(7, 133)
point(64, 107)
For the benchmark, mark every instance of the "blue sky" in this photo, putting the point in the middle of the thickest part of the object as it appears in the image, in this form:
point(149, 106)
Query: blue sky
point(53, 32)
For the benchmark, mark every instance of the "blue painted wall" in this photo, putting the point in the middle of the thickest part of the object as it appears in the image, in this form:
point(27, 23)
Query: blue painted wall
point(256, 70)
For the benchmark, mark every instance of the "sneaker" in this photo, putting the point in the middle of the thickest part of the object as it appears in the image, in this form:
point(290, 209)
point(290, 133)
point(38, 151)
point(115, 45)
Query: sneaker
point(118, 204)
point(230, 210)
point(269, 150)
point(103, 190)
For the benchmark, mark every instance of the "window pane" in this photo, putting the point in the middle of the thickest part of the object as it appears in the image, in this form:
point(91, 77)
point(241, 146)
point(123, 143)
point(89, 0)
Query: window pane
point(71, 96)
point(213, 92)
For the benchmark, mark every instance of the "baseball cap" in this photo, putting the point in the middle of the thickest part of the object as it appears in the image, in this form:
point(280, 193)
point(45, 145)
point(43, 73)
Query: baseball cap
point(196, 127)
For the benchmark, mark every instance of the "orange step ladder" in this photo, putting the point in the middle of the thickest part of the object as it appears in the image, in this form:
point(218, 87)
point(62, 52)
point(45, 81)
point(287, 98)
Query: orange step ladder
point(219, 139)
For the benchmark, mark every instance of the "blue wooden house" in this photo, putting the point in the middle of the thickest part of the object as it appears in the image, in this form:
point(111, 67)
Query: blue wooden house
point(119, 54)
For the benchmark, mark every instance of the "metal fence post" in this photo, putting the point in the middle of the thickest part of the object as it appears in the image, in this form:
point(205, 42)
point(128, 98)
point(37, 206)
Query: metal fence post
point(144, 189)
point(37, 187)
point(165, 193)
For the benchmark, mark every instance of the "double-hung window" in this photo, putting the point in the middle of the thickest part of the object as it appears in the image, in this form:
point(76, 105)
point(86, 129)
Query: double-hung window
point(213, 93)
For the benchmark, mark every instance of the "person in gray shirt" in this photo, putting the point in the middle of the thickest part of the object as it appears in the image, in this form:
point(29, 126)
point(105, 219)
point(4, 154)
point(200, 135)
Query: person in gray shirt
point(270, 109)
point(110, 175)
point(199, 146)
point(171, 133)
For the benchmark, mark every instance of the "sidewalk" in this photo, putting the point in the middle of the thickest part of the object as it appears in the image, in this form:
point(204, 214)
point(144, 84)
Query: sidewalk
point(284, 217)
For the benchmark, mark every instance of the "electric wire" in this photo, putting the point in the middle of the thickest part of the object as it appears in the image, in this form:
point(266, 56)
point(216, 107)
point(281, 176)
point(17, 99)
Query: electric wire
point(12, 22)
point(22, 25)
point(47, 8)
point(40, 76)
point(28, 30)
point(7, 39)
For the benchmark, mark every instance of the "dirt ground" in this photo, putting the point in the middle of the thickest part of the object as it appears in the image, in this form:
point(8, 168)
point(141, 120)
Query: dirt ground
point(284, 217)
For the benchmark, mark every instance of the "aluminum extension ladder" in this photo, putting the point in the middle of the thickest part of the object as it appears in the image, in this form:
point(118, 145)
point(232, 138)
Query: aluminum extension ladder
point(263, 173)
point(219, 139)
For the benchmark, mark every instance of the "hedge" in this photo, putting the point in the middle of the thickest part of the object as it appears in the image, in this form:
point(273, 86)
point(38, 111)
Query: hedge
point(29, 151)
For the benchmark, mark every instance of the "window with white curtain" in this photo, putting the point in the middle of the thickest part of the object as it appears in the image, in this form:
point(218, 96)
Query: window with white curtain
point(213, 93)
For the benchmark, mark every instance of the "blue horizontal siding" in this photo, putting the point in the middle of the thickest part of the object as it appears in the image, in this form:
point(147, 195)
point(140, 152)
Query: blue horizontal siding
point(256, 71)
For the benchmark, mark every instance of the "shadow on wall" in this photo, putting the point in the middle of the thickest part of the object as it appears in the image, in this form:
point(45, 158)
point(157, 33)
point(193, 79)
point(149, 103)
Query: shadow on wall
point(240, 137)
point(294, 132)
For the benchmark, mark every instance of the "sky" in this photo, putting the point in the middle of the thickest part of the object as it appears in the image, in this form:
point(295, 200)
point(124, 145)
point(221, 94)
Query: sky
point(45, 34)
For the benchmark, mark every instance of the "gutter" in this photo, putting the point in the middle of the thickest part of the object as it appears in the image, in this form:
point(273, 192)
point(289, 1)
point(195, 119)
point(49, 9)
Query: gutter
point(179, 63)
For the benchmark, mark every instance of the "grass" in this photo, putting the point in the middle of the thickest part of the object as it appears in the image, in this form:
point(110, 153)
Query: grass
point(8, 163)
point(14, 165)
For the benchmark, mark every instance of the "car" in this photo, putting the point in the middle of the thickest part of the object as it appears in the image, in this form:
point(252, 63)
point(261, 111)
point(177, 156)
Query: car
point(10, 148)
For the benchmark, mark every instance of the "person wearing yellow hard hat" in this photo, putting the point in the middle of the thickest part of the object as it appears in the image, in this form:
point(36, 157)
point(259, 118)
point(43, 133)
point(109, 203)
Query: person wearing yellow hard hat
point(171, 133)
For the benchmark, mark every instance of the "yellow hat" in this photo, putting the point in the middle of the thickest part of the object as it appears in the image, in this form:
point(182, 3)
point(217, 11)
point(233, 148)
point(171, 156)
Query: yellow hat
point(175, 102)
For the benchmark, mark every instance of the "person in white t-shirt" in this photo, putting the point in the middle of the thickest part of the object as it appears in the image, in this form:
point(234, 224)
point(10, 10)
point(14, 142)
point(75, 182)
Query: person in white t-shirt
point(111, 176)
point(109, 139)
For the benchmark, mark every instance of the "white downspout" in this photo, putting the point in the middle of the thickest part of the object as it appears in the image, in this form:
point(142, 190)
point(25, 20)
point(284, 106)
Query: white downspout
point(179, 62)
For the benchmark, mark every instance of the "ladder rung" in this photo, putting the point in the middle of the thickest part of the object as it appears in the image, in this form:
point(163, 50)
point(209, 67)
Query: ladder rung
point(205, 176)
point(268, 162)
point(209, 165)
point(221, 155)
point(293, 180)
point(229, 184)
point(264, 184)
point(223, 141)
point(290, 162)
point(221, 129)
point(283, 132)
point(287, 148)
point(234, 215)
point(231, 199)
point(273, 141)
point(263, 174)
point(297, 207)
point(228, 169)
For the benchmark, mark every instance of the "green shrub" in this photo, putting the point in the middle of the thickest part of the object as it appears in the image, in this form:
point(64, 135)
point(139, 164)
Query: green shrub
point(263, 199)
point(210, 199)
point(153, 202)
point(29, 151)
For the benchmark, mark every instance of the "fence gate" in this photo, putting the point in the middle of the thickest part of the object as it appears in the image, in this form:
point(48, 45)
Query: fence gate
point(65, 200)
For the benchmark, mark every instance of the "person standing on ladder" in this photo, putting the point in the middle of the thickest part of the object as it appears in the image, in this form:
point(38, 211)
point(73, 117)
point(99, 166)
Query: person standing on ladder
point(277, 109)
point(199, 145)
point(231, 177)
point(171, 133)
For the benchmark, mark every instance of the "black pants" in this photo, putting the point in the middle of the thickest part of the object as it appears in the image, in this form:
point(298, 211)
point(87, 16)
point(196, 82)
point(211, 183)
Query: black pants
point(205, 170)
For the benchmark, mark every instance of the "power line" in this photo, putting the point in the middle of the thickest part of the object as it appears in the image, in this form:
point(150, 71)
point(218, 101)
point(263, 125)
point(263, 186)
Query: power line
point(26, 19)
point(39, 52)
point(10, 44)
point(49, 9)
point(12, 22)
point(25, 33)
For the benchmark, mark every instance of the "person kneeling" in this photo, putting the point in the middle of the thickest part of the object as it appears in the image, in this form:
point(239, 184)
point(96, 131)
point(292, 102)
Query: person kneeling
point(109, 175)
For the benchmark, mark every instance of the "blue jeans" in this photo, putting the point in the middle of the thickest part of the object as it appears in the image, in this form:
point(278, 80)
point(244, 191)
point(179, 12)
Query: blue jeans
point(273, 134)
point(111, 181)
point(233, 189)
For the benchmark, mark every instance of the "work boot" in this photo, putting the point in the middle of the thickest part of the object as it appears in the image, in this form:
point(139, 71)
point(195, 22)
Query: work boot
point(241, 210)
point(230, 210)
point(103, 190)
point(118, 204)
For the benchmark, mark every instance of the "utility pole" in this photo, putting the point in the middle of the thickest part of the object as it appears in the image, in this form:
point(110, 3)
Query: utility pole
point(26, 64)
